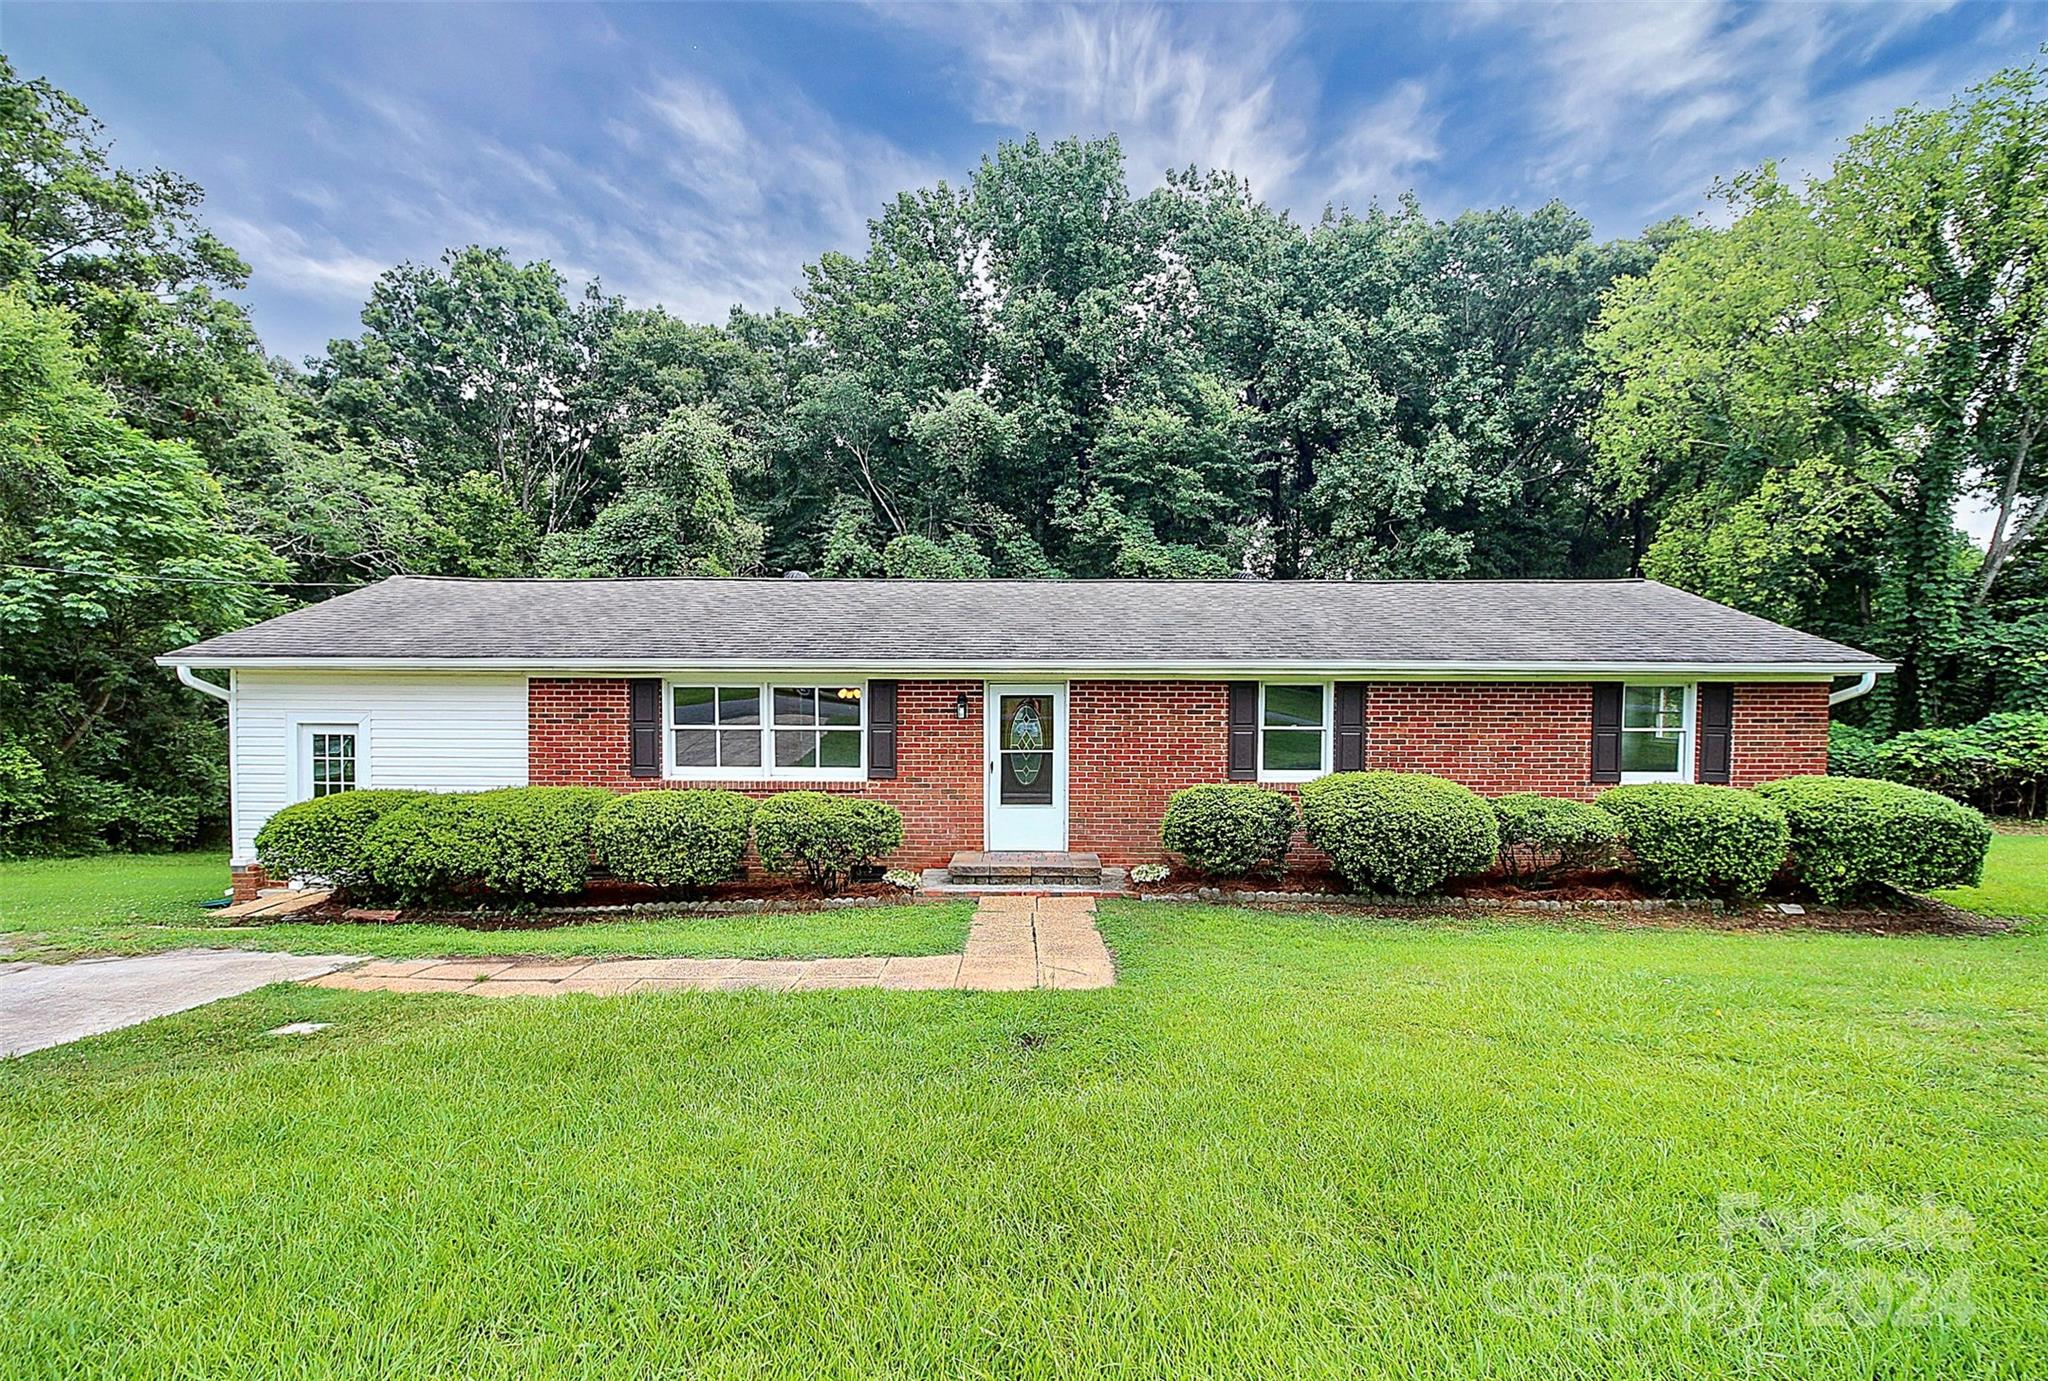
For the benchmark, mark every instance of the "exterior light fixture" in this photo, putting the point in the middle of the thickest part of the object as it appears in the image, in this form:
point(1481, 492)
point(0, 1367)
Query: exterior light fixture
point(960, 705)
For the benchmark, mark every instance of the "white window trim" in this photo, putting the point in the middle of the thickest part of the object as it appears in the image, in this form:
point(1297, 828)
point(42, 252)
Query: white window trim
point(301, 776)
point(1329, 730)
point(1688, 739)
point(768, 771)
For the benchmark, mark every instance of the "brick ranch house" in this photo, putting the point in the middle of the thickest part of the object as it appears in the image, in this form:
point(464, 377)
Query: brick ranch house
point(1010, 715)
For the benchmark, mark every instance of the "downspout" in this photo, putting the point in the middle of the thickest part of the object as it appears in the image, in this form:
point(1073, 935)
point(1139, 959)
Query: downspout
point(1861, 686)
point(204, 687)
point(225, 694)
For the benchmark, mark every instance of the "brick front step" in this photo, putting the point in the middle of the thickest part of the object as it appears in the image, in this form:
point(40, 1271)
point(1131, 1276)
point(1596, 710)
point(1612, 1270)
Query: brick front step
point(1051, 869)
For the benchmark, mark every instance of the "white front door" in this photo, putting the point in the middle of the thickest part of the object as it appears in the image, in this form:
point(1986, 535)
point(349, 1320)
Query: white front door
point(1027, 767)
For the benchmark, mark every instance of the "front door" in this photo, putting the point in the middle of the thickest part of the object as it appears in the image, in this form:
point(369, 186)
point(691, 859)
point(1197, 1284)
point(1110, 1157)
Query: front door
point(1027, 767)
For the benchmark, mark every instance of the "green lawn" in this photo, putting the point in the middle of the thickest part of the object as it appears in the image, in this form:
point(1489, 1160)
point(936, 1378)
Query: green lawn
point(2015, 879)
point(1283, 1145)
point(135, 904)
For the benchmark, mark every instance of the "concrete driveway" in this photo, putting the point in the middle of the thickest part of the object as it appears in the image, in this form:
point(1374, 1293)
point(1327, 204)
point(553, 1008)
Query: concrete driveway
point(49, 1004)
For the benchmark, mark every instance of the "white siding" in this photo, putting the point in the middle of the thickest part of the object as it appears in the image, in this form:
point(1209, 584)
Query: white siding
point(440, 731)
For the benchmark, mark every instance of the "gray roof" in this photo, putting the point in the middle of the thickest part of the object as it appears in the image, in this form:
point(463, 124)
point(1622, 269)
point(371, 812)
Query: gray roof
point(1105, 624)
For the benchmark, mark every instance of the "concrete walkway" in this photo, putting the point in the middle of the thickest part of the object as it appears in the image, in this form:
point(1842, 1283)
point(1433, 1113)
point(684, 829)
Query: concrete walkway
point(49, 1004)
point(1015, 943)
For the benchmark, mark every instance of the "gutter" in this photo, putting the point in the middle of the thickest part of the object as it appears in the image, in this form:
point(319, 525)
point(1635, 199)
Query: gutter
point(188, 677)
point(973, 667)
point(1861, 686)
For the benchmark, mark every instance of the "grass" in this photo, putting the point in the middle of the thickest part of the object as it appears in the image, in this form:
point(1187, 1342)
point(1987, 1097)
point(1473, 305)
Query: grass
point(57, 908)
point(1283, 1145)
point(2015, 879)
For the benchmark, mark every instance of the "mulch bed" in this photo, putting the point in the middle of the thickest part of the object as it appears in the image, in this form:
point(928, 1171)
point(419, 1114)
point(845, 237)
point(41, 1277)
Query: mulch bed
point(609, 901)
point(1603, 896)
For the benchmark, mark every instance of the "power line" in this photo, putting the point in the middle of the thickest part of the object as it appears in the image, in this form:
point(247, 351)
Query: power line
point(186, 579)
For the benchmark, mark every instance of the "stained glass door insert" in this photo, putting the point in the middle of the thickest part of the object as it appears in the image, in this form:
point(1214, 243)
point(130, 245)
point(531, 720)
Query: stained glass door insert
point(1024, 742)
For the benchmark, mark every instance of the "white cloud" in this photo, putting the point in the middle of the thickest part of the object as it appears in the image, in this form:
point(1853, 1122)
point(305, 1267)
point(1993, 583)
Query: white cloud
point(282, 255)
point(1384, 148)
point(699, 196)
point(1675, 96)
point(1216, 89)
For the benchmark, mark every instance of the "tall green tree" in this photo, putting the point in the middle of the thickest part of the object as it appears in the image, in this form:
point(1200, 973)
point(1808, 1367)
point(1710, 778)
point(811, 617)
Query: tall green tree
point(677, 516)
point(481, 365)
point(1798, 403)
point(114, 546)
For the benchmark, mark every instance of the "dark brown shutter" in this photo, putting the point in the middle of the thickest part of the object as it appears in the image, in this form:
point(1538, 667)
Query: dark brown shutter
point(881, 729)
point(644, 717)
point(1350, 726)
point(1244, 731)
point(1717, 732)
point(1607, 731)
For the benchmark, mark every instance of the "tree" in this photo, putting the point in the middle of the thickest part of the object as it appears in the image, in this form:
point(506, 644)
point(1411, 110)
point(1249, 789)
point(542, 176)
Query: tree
point(1797, 402)
point(114, 546)
point(678, 515)
point(481, 365)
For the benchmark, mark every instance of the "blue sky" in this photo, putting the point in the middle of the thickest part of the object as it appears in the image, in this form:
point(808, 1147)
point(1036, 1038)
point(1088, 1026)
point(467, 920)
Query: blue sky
point(698, 155)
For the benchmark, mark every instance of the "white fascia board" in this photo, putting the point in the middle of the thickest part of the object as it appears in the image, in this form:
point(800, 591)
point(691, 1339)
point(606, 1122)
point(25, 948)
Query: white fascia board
point(973, 669)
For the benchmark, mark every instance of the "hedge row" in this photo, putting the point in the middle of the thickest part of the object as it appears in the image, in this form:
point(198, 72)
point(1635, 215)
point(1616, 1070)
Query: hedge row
point(1999, 764)
point(542, 841)
point(1407, 834)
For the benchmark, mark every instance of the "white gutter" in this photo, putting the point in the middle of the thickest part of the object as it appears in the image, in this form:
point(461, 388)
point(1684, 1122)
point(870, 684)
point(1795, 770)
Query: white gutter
point(204, 687)
point(973, 667)
point(1861, 687)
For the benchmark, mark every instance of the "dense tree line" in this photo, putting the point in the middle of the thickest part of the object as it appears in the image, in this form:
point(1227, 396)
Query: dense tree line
point(1038, 374)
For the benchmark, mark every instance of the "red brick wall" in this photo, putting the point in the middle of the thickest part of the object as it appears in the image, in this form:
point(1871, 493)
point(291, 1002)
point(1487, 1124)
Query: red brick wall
point(1130, 745)
point(577, 736)
point(1494, 737)
point(1781, 730)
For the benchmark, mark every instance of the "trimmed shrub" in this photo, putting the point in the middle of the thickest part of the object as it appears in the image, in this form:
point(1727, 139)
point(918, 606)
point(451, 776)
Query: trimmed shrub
point(1542, 836)
point(823, 836)
point(1399, 832)
point(1850, 834)
point(521, 841)
point(1691, 841)
point(673, 838)
point(1228, 831)
point(323, 838)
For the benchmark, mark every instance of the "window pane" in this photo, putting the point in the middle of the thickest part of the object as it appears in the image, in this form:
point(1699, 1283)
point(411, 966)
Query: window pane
point(798, 749)
point(1294, 707)
point(739, 748)
point(1026, 721)
point(693, 705)
point(739, 705)
point(696, 748)
point(839, 705)
point(839, 748)
point(796, 705)
point(1649, 752)
point(1026, 779)
point(1294, 750)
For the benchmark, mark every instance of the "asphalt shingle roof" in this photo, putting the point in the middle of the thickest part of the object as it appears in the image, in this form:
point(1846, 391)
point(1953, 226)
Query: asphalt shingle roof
point(1079, 623)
